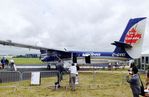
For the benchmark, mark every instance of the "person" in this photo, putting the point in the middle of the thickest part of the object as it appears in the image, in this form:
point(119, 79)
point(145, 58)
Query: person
point(147, 77)
point(77, 74)
point(147, 85)
point(4, 62)
point(12, 65)
point(73, 73)
point(60, 69)
point(110, 66)
point(147, 90)
point(133, 80)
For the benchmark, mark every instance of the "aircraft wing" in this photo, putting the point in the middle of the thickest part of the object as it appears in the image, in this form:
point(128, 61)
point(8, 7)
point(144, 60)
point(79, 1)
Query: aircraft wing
point(10, 43)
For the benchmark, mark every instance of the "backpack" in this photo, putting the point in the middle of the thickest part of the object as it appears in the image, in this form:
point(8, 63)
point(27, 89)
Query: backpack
point(78, 68)
point(141, 87)
point(142, 91)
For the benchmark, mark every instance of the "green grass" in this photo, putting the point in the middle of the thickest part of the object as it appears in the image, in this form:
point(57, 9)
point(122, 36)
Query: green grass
point(21, 61)
point(109, 84)
point(27, 61)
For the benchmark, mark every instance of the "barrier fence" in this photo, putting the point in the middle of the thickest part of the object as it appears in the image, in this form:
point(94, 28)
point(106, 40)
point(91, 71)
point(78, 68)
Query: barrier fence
point(48, 78)
point(9, 76)
point(17, 77)
point(43, 74)
point(105, 82)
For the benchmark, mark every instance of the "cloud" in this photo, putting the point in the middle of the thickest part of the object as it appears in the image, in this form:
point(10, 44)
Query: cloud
point(71, 24)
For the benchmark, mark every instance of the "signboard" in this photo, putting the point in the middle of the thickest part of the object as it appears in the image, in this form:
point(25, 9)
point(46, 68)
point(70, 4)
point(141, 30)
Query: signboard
point(35, 78)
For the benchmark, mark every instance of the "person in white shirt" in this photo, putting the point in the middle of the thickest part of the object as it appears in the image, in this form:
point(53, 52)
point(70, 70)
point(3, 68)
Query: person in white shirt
point(73, 73)
point(12, 65)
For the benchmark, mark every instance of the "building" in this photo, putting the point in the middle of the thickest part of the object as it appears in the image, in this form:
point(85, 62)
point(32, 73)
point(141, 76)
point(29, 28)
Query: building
point(32, 55)
point(28, 56)
point(143, 62)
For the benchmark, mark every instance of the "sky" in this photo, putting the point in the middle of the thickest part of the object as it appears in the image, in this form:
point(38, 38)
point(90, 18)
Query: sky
point(84, 25)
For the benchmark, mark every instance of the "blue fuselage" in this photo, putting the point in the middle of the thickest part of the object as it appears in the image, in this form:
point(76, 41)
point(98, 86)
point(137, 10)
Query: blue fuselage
point(49, 56)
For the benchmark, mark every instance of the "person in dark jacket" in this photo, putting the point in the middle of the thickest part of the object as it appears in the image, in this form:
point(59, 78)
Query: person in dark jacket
point(133, 80)
point(60, 69)
point(4, 62)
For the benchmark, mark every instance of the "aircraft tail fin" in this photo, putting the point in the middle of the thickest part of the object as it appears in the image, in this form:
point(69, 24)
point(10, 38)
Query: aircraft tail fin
point(130, 43)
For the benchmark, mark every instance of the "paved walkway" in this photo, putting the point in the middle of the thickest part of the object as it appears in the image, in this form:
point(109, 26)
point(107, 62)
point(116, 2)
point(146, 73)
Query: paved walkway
point(108, 71)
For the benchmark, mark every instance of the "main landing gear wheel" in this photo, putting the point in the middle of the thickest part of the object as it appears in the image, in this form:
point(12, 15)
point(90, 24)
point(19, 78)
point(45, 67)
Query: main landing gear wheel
point(49, 67)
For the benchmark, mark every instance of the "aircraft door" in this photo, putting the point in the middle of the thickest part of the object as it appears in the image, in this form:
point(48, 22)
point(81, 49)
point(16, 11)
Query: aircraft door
point(88, 59)
point(74, 58)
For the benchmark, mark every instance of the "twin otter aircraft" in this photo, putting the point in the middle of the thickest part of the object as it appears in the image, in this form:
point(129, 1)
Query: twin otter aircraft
point(128, 47)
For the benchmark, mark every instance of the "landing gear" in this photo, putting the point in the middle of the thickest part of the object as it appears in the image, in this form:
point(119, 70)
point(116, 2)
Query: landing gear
point(49, 67)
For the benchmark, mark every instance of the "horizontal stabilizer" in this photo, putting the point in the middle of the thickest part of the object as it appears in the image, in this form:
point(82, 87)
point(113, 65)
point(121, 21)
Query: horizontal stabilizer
point(121, 44)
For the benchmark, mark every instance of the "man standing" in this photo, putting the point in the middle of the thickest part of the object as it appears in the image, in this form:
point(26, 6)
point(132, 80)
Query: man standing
point(60, 69)
point(134, 81)
point(73, 73)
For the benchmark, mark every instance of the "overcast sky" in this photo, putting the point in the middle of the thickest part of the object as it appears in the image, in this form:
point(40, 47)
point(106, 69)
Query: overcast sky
point(72, 24)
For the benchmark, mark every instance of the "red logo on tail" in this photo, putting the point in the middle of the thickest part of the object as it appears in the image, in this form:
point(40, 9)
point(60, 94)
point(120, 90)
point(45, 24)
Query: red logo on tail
point(132, 36)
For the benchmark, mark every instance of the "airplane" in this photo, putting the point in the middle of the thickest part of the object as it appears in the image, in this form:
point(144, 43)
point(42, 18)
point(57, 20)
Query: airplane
point(128, 47)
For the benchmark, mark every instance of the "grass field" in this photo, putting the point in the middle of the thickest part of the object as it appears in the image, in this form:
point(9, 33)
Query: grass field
point(103, 84)
point(27, 61)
